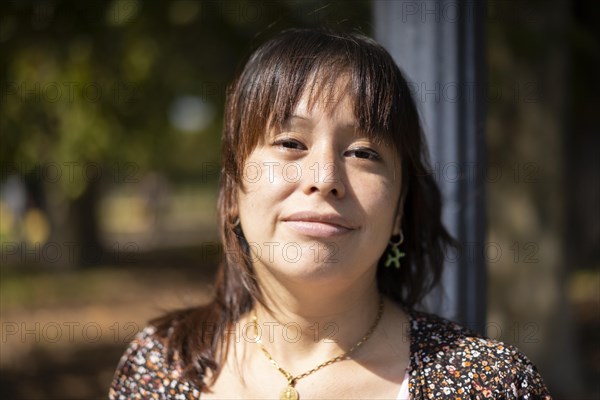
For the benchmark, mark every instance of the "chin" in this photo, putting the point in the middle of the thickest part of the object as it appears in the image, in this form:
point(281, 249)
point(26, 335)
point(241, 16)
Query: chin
point(310, 273)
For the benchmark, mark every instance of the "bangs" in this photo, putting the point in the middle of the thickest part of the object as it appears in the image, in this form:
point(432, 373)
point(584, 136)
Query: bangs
point(325, 66)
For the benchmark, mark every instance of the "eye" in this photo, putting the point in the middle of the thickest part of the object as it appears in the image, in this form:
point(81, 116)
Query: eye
point(364, 153)
point(289, 144)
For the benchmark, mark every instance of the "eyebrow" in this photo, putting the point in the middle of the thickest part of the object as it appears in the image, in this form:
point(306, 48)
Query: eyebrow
point(296, 120)
point(296, 116)
point(302, 119)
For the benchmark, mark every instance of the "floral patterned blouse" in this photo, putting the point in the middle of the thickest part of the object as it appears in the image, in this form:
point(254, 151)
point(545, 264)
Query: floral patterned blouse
point(447, 361)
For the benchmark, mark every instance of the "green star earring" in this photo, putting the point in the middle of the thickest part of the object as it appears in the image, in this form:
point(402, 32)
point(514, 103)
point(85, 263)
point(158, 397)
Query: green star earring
point(394, 254)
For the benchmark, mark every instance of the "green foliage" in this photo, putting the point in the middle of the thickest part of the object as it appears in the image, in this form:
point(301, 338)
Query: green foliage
point(96, 81)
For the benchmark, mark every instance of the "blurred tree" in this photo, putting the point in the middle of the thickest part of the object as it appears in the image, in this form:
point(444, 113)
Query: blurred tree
point(97, 93)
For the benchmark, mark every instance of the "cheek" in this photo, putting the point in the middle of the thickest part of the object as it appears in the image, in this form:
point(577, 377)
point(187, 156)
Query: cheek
point(267, 182)
point(264, 187)
point(379, 199)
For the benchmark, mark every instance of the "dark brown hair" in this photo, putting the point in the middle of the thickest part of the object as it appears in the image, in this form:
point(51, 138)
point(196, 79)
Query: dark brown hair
point(264, 95)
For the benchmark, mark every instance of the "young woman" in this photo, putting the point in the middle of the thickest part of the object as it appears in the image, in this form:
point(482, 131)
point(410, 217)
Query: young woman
point(331, 235)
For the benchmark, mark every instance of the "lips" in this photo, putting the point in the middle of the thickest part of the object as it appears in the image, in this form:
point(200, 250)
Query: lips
point(319, 225)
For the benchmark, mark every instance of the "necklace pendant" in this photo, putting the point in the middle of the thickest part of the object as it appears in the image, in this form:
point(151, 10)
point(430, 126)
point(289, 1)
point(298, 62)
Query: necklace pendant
point(289, 393)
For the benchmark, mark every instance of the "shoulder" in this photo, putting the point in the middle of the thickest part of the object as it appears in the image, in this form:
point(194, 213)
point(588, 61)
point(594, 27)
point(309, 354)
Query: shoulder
point(448, 359)
point(146, 371)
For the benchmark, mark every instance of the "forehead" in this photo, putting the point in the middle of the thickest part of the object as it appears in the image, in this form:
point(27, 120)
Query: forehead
point(332, 100)
point(322, 97)
point(327, 90)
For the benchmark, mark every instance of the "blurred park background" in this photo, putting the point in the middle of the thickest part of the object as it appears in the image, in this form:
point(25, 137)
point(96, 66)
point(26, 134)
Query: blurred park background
point(110, 120)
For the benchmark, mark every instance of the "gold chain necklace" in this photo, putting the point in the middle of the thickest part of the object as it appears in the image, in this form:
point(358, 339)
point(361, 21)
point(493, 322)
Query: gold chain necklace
point(290, 392)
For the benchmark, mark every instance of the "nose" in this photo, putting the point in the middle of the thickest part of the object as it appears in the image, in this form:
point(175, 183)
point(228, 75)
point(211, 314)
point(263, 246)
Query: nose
point(325, 174)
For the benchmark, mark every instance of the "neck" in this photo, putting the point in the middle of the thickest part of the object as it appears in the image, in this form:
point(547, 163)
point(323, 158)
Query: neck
point(302, 327)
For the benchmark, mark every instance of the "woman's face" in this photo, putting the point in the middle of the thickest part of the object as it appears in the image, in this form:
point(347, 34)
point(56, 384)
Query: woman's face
point(319, 199)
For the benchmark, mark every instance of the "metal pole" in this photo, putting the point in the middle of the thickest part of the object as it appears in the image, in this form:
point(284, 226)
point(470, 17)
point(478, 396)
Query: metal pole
point(439, 46)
